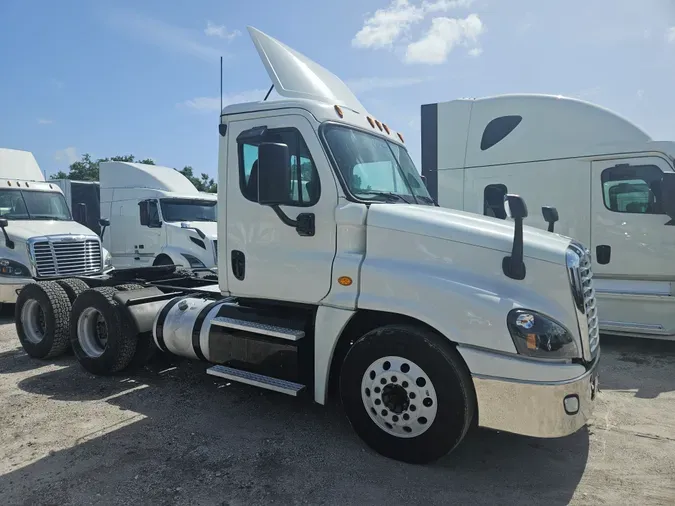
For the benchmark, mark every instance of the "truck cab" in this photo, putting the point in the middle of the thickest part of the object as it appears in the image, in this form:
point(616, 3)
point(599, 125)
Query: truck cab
point(157, 217)
point(603, 174)
point(39, 238)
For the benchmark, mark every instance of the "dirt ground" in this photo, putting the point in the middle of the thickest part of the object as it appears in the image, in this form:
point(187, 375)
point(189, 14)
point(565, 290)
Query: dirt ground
point(170, 434)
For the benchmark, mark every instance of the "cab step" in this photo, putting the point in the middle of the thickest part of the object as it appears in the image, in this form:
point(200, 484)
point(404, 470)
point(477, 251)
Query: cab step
point(256, 380)
point(259, 328)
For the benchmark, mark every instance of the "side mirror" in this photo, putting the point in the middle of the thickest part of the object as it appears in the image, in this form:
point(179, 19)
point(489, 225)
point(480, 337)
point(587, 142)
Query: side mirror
point(424, 180)
point(104, 222)
point(274, 174)
point(8, 242)
point(513, 266)
point(667, 196)
point(550, 216)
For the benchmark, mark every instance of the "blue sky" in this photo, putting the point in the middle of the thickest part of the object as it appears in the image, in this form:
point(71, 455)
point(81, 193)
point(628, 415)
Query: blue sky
point(124, 77)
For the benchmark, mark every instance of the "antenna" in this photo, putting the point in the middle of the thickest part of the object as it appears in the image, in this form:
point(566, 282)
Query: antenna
point(268, 92)
point(221, 85)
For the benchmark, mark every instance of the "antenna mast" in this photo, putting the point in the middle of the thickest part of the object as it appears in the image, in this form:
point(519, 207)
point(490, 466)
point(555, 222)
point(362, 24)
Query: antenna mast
point(221, 86)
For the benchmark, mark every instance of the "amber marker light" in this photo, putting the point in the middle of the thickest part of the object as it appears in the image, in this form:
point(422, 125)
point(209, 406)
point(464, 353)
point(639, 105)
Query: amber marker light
point(345, 280)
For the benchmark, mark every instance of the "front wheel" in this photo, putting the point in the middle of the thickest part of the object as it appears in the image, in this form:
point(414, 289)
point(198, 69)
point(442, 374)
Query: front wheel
point(407, 393)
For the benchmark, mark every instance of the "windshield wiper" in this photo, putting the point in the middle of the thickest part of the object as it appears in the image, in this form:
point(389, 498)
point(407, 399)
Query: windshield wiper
point(47, 217)
point(424, 198)
point(391, 196)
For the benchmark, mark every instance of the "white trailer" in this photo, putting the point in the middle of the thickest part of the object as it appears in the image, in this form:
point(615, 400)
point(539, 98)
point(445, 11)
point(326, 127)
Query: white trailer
point(157, 217)
point(609, 182)
point(423, 320)
point(40, 239)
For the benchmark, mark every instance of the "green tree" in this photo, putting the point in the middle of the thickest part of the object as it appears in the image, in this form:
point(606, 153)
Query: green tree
point(203, 183)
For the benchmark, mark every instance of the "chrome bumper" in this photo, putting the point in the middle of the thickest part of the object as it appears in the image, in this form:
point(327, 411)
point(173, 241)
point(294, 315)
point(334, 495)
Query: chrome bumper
point(9, 288)
point(537, 409)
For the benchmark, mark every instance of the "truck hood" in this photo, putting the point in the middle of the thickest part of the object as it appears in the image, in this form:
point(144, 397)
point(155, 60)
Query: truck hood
point(22, 230)
point(467, 228)
point(210, 228)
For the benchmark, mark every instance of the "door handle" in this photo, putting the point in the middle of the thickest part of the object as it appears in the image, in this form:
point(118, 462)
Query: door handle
point(603, 254)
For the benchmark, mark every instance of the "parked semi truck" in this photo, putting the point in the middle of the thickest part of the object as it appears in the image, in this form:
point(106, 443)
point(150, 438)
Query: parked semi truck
point(156, 215)
point(603, 174)
point(335, 279)
point(40, 239)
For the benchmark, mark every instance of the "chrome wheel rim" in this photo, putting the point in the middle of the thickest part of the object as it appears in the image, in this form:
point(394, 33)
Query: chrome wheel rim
point(399, 397)
point(92, 332)
point(34, 322)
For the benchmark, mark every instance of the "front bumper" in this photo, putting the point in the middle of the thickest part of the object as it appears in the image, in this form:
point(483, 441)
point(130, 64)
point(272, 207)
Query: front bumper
point(537, 408)
point(9, 288)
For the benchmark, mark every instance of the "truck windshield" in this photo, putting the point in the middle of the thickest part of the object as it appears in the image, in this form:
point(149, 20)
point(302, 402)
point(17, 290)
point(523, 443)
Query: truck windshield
point(374, 168)
point(189, 210)
point(22, 204)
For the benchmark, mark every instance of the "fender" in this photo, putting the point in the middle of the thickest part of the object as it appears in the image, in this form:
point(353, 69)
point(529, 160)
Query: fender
point(176, 255)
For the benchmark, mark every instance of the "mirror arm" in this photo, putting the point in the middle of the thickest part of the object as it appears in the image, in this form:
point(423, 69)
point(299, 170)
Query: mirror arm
point(513, 266)
point(304, 225)
point(8, 242)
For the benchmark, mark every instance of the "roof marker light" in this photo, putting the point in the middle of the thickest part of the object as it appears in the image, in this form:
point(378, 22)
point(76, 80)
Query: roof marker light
point(339, 112)
point(401, 137)
point(372, 123)
point(386, 128)
point(379, 125)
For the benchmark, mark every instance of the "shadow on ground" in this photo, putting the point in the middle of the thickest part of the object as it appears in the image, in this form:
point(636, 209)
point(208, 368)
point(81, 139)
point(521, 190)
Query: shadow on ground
point(203, 442)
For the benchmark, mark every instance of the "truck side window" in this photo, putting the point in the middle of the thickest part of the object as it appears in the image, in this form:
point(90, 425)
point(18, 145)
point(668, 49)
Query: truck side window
point(493, 201)
point(149, 213)
point(632, 189)
point(497, 129)
point(304, 189)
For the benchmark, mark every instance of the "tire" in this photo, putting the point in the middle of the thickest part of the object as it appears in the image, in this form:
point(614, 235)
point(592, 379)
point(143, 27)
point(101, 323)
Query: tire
point(73, 287)
point(101, 349)
point(145, 350)
point(182, 272)
point(437, 409)
point(41, 318)
point(128, 287)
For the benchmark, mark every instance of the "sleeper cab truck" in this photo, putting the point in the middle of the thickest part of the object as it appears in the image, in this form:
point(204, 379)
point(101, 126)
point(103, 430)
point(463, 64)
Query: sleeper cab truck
point(338, 273)
point(605, 181)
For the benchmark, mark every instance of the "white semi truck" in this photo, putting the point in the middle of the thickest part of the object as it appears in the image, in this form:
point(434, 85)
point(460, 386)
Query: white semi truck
point(157, 217)
point(608, 183)
point(334, 278)
point(39, 238)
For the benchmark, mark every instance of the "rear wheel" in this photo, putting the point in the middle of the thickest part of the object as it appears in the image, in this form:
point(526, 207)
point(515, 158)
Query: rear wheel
point(102, 338)
point(407, 393)
point(41, 318)
point(73, 287)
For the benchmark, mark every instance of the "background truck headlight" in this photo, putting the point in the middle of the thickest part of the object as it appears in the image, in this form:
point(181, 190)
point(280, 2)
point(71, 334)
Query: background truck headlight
point(195, 263)
point(12, 269)
point(536, 335)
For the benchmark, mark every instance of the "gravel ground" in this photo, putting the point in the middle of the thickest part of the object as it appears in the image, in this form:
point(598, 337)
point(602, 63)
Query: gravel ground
point(172, 435)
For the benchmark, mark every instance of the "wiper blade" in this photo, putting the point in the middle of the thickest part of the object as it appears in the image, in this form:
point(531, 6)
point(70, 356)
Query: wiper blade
point(424, 198)
point(391, 196)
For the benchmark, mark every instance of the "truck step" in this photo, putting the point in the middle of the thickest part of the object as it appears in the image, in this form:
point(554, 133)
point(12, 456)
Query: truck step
point(257, 380)
point(259, 328)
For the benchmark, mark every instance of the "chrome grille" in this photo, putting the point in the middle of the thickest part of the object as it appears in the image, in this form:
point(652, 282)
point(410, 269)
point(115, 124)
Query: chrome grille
point(581, 280)
point(590, 307)
point(54, 257)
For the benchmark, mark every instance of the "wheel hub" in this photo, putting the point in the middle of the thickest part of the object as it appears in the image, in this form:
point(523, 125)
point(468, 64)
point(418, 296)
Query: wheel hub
point(399, 396)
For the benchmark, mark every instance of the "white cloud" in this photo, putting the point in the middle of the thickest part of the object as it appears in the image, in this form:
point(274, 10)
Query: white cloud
point(640, 94)
point(67, 155)
point(670, 35)
point(387, 25)
point(44, 121)
point(213, 30)
point(476, 51)
point(164, 35)
point(445, 33)
point(366, 84)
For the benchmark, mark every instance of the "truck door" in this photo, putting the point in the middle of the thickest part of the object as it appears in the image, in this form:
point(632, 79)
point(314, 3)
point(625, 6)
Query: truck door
point(631, 245)
point(267, 258)
point(148, 240)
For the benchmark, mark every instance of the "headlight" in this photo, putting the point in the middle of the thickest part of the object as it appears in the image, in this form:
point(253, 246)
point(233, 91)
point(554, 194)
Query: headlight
point(194, 262)
point(573, 260)
point(539, 336)
point(107, 260)
point(12, 269)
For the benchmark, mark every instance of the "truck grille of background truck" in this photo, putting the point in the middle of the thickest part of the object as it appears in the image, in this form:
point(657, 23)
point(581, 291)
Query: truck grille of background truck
point(591, 309)
point(59, 258)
